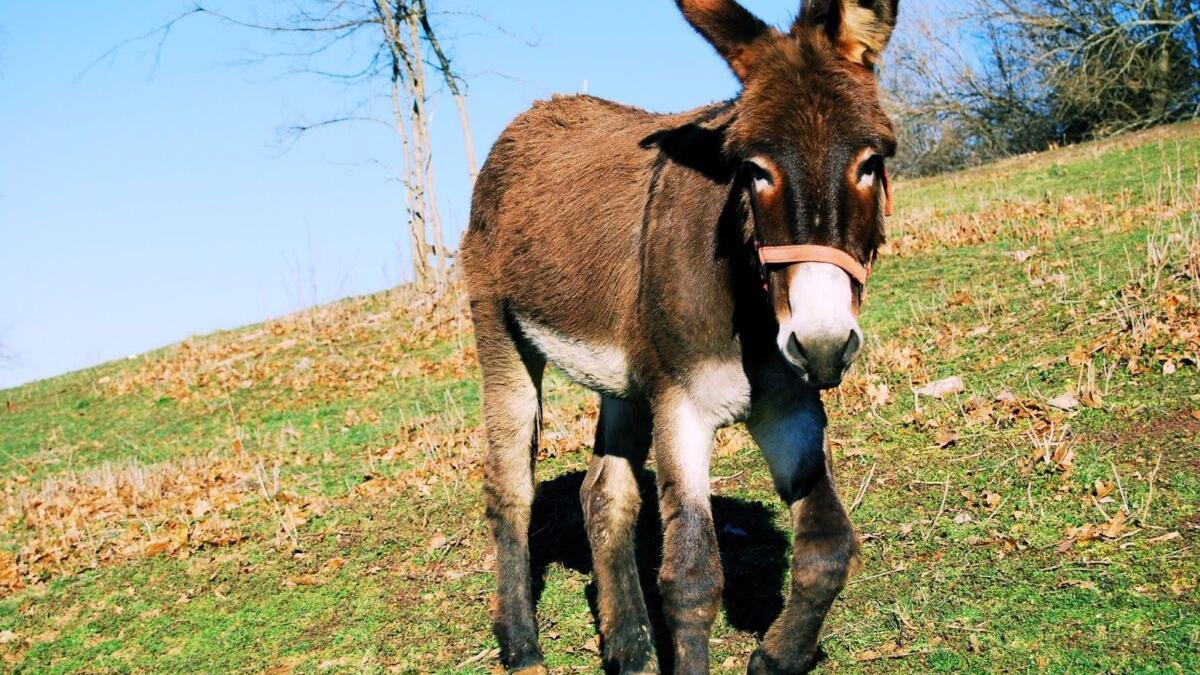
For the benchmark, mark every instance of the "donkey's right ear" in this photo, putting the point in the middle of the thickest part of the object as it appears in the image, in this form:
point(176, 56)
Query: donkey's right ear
point(727, 26)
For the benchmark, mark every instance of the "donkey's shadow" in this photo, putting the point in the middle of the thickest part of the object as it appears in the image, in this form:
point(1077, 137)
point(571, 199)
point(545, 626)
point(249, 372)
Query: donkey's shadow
point(753, 553)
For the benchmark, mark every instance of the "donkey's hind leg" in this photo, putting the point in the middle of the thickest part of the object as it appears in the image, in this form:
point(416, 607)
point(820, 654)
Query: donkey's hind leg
point(610, 508)
point(512, 376)
point(790, 432)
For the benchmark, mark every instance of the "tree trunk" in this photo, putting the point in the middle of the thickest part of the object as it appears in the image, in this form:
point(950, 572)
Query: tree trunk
point(422, 145)
point(452, 83)
point(464, 118)
point(414, 178)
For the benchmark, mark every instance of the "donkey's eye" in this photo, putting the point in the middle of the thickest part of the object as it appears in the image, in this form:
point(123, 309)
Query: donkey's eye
point(760, 175)
point(869, 171)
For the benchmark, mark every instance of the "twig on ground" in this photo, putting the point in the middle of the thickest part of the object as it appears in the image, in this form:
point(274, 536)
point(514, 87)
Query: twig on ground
point(889, 573)
point(941, 509)
point(1121, 488)
point(862, 489)
point(1150, 493)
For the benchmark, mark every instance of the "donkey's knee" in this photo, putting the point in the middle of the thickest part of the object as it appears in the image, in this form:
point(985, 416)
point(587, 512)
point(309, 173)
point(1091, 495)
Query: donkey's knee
point(611, 503)
point(791, 435)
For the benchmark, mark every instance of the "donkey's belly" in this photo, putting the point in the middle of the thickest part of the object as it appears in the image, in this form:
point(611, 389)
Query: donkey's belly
point(597, 365)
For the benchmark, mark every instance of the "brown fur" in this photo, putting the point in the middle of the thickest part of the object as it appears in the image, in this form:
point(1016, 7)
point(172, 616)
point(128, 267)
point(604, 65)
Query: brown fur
point(624, 241)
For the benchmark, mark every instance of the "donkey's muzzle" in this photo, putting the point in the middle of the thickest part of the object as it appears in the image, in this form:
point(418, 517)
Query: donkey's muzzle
point(822, 359)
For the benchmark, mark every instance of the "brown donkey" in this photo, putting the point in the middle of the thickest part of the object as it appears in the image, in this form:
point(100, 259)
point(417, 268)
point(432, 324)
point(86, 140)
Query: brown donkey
point(696, 270)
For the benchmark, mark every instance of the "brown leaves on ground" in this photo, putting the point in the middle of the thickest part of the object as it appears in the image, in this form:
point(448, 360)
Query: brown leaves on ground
point(1113, 528)
point(69, 523)
point(352, 348)
point(925, 230)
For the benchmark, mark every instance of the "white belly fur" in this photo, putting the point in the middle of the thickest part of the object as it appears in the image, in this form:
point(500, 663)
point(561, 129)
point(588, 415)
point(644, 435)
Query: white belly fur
point(597, 366)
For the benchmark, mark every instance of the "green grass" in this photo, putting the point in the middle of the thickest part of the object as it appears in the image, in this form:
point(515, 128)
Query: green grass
point(361, 418)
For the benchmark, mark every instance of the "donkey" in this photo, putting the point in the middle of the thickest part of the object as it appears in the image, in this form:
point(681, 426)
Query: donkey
point(695, 270)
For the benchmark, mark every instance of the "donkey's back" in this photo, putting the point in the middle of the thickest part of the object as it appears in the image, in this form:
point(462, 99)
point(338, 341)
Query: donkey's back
point(557, 218)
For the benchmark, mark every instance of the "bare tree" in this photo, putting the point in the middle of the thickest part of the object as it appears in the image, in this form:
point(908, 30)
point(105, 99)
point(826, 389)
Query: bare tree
point(386, 41)
point(1040, 72)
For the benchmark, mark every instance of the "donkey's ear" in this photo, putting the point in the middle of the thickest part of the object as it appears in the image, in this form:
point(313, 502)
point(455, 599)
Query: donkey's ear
point(859, 29)
point(727, 26)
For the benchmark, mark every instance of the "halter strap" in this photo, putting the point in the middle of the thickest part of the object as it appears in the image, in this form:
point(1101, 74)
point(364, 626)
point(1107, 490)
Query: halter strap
point(787, 255)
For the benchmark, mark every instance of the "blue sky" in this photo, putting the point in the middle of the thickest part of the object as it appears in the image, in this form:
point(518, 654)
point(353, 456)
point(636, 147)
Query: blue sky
point(141, 204)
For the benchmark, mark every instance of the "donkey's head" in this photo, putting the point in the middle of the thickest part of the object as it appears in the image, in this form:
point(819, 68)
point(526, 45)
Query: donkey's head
point(811, 136)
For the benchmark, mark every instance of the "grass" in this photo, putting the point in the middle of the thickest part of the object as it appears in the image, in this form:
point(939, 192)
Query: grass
point(304, 495)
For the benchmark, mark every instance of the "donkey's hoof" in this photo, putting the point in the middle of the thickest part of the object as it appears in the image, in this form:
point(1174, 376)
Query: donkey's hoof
point(762, 664)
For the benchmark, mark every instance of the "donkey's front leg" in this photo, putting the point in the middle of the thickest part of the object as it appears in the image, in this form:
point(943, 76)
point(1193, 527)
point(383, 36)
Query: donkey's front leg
point(790, 432)
point(690, 578)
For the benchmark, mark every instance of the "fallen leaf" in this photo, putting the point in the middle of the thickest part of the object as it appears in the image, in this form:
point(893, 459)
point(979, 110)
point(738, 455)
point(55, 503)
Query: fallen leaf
point(1065, 401)
point(963, 518)
point(945, 438)
point(1170, 536)
point(941, 388)
point(1079, 356)
point(1112, 529)
point(1022, 255)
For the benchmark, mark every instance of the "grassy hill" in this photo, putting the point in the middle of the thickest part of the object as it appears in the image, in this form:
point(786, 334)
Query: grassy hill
point(304, 495)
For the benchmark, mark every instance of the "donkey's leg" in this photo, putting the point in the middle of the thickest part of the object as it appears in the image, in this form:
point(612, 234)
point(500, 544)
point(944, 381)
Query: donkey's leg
point(790, 431)
point(511, 404)
point(610, 507)
point(690, 579)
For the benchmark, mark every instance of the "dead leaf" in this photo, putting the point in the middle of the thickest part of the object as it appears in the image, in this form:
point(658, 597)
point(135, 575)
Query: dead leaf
point(945, 438)
point(1065, 401)
point(333, 564)
point(1022, 255)
point(1112, 529)
point(302, 580)
point(941, 388)
point(1079, 356)
point(1170, 536)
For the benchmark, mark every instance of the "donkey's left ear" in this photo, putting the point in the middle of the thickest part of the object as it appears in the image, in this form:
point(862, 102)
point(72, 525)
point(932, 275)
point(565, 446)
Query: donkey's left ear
point(858, 29)
point(728, 27)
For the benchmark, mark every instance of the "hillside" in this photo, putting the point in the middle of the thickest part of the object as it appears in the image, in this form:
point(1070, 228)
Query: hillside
point(304, 495)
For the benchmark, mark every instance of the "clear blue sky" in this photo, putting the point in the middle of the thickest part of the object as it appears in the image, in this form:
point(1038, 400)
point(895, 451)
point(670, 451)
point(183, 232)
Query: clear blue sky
point(140, 204)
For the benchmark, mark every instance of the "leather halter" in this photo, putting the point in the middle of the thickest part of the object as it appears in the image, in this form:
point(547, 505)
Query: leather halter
point(812, 253)
point(788, 255)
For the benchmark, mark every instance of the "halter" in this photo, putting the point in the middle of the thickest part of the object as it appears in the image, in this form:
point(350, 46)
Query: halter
point(812, 253)
point(788, 255)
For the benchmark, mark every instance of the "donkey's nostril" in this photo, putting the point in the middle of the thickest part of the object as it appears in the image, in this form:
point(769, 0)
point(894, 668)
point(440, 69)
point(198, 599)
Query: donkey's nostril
point(852, 346)
point(796, 350)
